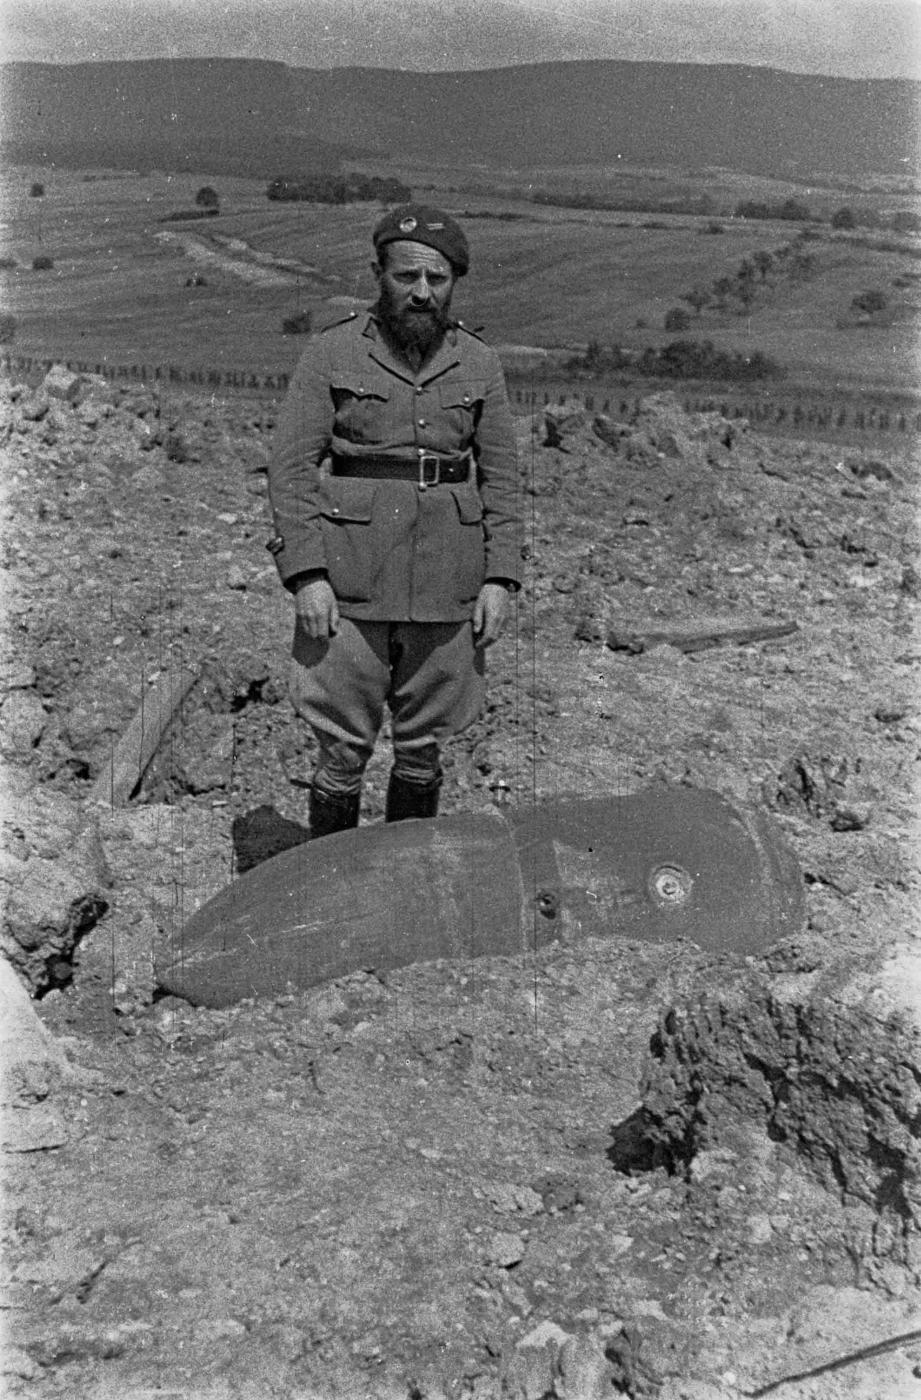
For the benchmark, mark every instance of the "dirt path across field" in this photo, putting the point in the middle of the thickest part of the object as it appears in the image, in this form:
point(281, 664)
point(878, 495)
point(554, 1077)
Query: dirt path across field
point(234, 256)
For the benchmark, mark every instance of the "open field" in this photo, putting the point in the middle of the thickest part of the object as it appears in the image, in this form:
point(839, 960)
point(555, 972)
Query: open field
point(543, 276)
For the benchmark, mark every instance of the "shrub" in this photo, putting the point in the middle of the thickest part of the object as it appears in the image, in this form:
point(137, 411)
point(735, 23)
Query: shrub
point(207, 198)
point(843, 218)
point(906, 221)
point(7, 264)
point(37, 190)
point(713, 227)
point(792, 209)
point(42, 263)
point(7, 328)
point(870, 301)
point(677, 319)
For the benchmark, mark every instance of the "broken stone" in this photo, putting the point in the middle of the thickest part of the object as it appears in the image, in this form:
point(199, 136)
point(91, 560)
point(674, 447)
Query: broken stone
point(585, 1373)
point(513, 1199)
point(504, 1249)
point(34, 408)
point(32, 1067)
point(851, 816)
point(24, 719)
point(54, 895)
point(19, 676)
point(62, 383)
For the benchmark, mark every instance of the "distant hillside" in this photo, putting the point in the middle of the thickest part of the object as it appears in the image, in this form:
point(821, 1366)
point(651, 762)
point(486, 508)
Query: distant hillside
point(227, 116)
point(261, 118)
point(754, 119)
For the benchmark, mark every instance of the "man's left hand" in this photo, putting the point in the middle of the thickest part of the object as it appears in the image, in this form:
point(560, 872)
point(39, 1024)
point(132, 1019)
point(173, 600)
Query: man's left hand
point(489, 614)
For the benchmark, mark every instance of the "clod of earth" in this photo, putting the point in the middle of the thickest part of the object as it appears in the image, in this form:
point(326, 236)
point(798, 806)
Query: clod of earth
point(665, 864)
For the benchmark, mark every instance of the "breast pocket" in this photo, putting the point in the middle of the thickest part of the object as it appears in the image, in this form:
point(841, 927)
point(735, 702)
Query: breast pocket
point(461, 405)
point(347, 509)
point(360, 409)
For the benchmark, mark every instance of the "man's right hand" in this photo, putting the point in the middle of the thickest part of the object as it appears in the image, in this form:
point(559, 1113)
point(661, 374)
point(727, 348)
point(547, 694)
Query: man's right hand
point(316, 606)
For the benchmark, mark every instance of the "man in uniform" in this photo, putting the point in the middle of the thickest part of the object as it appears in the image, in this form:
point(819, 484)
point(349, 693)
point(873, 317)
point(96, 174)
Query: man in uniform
point(394, 493)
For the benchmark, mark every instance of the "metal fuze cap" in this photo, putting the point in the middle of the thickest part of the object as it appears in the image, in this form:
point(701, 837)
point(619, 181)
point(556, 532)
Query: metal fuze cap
point(421, 223)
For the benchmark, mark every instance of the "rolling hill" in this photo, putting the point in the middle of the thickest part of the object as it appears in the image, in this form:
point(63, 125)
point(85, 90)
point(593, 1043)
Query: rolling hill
point(261, 118)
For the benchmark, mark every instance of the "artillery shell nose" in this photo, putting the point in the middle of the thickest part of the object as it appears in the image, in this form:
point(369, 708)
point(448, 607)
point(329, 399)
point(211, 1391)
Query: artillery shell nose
point(670, 885)
point(548, 904)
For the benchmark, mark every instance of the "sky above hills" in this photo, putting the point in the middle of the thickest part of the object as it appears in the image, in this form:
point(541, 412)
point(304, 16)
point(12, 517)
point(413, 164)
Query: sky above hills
point(853, 38)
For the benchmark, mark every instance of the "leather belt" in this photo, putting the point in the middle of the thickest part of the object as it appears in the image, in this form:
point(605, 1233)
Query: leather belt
point(424, 468)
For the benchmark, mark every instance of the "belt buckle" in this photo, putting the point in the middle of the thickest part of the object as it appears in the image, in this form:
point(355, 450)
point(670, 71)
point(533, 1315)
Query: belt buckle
point(429, 463)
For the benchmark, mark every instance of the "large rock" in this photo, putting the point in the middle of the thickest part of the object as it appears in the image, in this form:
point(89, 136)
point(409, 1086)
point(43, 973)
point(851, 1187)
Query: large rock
point(53, 878)
point(62, 383)
point(31, 1066)
point(23, 719)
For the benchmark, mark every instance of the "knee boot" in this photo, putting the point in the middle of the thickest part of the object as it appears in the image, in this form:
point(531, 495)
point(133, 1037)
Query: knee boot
point(405, 799)
point(331, 812)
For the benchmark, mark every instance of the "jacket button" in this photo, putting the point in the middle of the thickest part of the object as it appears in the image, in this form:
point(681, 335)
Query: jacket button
point(466, 398)
point(335, 510)
point(421, 422)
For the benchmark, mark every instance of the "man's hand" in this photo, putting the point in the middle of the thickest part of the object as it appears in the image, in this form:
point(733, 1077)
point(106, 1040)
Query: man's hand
point(490, 613)
point(316, 606)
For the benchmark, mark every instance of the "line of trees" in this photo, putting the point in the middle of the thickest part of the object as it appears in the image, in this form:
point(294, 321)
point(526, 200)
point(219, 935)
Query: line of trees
point(340, 189)
point(692, 204)
point(679, 359)
point(737, 291)
point(759, 209)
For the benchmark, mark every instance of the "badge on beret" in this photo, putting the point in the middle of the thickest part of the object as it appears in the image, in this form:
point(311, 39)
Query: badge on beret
point(408, 225)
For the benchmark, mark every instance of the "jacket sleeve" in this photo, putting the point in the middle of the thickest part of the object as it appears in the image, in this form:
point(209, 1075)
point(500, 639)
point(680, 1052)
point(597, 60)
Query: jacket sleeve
point(499, 483)
point(302, 436)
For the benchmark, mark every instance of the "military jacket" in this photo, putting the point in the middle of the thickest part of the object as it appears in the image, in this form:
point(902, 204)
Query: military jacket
point(394, 550)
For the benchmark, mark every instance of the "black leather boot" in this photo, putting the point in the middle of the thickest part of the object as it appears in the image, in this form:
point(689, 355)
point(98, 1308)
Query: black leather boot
point(406, 799)
point(331, 812)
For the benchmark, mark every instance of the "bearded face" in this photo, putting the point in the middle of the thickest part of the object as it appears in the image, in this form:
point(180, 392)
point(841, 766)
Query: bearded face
point(415, 284)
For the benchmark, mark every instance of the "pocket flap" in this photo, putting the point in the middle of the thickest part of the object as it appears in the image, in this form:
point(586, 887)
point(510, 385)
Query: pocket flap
point(348, 498)
point(462, 393)
point(348, 384)
point(469, 505)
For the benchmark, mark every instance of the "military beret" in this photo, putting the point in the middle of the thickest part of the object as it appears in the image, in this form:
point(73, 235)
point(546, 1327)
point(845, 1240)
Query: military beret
point(420, 223)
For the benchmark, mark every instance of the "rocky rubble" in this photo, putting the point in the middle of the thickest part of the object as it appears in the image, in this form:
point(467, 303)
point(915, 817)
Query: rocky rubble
point(612, 1169)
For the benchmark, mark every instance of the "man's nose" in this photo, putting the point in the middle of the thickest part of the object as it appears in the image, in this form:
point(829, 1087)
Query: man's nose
point(421, 291)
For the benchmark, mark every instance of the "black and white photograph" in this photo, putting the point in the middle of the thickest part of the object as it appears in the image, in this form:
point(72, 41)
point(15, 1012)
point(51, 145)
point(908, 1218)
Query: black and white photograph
point(460, 718)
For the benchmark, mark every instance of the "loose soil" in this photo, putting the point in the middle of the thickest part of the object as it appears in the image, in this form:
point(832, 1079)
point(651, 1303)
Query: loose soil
point(424, 1184)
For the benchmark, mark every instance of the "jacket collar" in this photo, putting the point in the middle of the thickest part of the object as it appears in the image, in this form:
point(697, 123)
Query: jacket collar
point(445, 357)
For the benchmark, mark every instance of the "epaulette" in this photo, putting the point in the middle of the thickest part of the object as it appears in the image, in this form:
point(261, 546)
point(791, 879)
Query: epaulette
point(343, 320)
point(459, 326)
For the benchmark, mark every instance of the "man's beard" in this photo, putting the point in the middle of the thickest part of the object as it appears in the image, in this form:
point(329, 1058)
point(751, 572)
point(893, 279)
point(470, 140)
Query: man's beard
point(415, 334)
